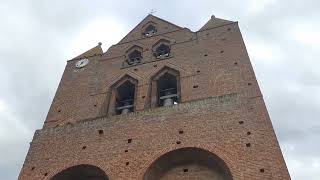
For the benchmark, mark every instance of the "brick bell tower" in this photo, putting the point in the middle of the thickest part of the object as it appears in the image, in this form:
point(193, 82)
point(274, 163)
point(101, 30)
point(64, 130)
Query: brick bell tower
point(164, 103)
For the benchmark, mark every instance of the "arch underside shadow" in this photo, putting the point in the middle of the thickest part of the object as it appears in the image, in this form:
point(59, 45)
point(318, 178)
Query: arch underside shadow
point(188, 163)
point(81, 172)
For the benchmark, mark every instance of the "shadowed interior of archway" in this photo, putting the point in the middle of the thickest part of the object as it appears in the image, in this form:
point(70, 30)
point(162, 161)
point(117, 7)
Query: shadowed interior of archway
point(188, 163)
point(81, 172)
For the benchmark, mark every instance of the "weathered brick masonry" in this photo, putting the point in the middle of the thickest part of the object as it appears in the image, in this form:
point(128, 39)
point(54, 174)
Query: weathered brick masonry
point(220, 128)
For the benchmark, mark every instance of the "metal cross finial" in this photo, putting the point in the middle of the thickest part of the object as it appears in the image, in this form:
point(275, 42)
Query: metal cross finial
point(152, 11)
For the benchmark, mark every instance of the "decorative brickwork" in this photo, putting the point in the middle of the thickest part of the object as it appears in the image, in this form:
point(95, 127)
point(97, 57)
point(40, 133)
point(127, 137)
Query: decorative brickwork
point(219, 129)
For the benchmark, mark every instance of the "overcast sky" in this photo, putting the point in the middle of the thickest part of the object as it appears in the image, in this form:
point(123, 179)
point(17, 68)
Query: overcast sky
point(37, 37)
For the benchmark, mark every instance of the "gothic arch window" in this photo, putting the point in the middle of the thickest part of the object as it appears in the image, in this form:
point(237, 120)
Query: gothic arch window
point(165, 88)
point(134, 55)
point(162, 49)
point(150, 30)
point(123, 95)
point(81, 172)
point(188, 163)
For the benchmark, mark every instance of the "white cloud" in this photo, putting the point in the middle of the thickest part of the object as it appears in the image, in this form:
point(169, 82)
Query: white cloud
point(106, 30)
point(256, 6)
point(264, 52)
point(305, 33)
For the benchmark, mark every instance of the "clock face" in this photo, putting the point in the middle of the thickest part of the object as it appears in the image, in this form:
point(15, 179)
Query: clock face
point(82, 63)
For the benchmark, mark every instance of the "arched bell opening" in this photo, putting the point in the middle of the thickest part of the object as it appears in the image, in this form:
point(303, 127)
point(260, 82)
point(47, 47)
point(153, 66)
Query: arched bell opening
point(125, 98)
point(81, 172)
point(123, 95)
point(162, 51)
point(188, 163)
point(135, 57)
point(165, 88)
point(150, 30)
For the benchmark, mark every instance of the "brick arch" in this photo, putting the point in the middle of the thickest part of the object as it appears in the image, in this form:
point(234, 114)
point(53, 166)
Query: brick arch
point(112, 92)
point(148, 24)
point(160, 42)
point(153, 83)
point(81, 172)
point(188, 163)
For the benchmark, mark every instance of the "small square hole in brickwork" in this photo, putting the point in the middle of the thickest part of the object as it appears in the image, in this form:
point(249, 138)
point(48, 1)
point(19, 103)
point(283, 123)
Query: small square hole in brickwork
point(198, 71)
point(248, 145)
point(126, 150)
point(195, 86)
point(248, 133)
point(127, 163)
point(229, 29)
point(32, 168)
point(100, 131)
point(221, 51)
point(180, 131)
point(143, 97)
point(155, 65)
point(95, 105)
point(249, 84)
point(135, 69)
point(178, 142)
point(59, 110)
point(262, 170)
point(241, 122)
point(45, 174)
point(129, 140)
point(206, 55)
point(84, 147)
point(235, 63)
point(185, 170)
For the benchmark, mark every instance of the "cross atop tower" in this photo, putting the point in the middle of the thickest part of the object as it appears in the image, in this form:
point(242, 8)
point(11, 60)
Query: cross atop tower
point(152, 11)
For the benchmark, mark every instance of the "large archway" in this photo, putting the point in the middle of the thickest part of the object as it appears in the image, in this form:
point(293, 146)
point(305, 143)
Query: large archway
point(188, 163)
point(81, 172)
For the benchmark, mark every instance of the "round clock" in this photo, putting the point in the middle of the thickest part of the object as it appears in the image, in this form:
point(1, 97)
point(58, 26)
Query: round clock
point(82, 63)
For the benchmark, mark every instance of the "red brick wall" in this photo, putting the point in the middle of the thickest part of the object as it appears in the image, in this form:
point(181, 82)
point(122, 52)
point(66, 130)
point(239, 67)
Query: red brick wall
point(216, 116)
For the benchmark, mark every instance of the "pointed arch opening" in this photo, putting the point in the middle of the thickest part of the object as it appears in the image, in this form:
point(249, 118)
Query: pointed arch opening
point(81, 172)
point(188, 163)
point(133, 55)
point(162, 49)
point(123, 96)
point(150, 30)
point(165, 88)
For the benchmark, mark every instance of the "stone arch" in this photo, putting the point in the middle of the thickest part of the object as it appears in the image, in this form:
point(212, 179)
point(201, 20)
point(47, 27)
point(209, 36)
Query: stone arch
point(188, 163)
point(81, 172)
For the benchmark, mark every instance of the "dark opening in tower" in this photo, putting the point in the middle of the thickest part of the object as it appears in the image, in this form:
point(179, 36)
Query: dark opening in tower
point(134, 57)
point(150, 31)
point(125, 98)
point(162, 51)
point(167, 90)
